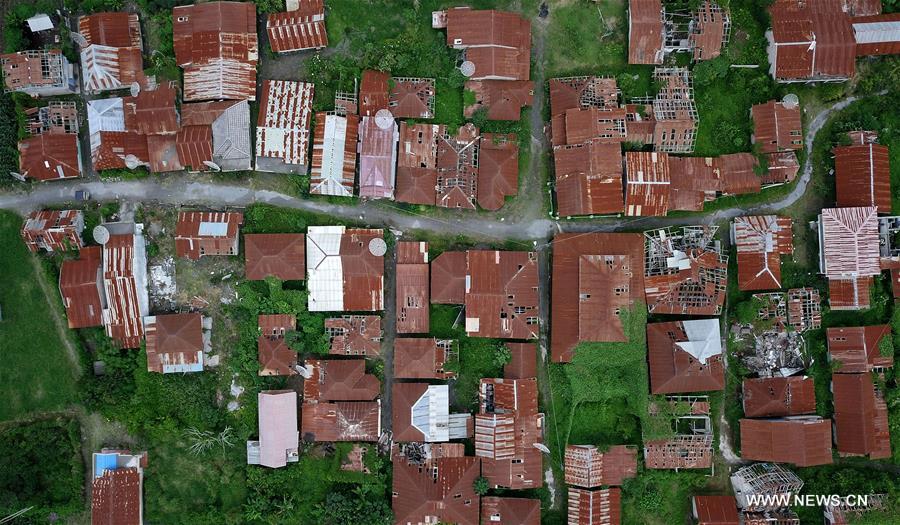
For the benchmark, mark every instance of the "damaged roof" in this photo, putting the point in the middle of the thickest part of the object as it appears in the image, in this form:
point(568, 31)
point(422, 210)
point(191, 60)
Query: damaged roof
point(501, 294)
point(586, 466)
point(589, 178)
point(302, 28)
point(761, 240)
point(685, 356)
point(339, 380)
point(174, 343)
point(857, 349)
point(354, 335)
point(422, 358)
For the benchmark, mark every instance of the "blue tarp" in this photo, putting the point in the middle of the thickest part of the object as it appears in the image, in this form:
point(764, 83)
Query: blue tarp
point(104, 462)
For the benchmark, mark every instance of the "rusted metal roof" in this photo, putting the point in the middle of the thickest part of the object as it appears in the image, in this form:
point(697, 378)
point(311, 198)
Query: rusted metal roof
point(586, 466)
point(107, 68)
point(339, 380)
point(373, 92)
point(523, 361)
point(582, 125)
point(194, 145)
point(779, 396)
point(803, 441)
point(152, 111)
point(124, 282)
point(782, 168)
point(279, 440)
point(355, 335)
point(457, 164)
point(685, 273)
point(685, 356)
point(303, 28)
point(647, 183)
point(693, 451)
point(412, 252)
point(417, 163)
point(216, 45)
point(421, 413)
point(761, 240)
point(282, 129)
point(877, 35)
point(334, 155)
point(114, 29)
point(116, 146)
point(862, 176)
point(50, 156)
point(413, 291)
point(79, 285)
point(811, 40)
point(280, 255)
point(276, 324)
point(595, 507)
point(276, 358)
point(377, 159)
point(645, 32)
point(856, 348)
point(501, 99)
point(715, 510)
point(595, 277)
point(199, 233)
point(848, 240)
point(709, 32)
point(116, 496)
point(411, 97)
point(578, 93)
point(341, 421)
point(776, 127)
point(589, 178)
point(498, 170)
point(860, 8)
point(345, 269)
point(422, 358)
point(174, 343)
point(510, 511)
point(498, 43)
point(448, 278)
point(501, 294)
point(860, 417)
point(53, 230)
point(438, 490)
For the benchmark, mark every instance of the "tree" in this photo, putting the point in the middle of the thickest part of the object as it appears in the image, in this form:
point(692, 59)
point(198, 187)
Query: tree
point(364, 505)
point(502, 356)
point(481, 485)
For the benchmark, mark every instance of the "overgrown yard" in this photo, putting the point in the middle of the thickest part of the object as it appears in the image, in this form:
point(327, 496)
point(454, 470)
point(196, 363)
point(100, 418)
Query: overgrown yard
point(37, 374)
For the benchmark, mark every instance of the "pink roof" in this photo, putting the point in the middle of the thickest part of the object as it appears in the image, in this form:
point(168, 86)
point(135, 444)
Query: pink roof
point(377, 158)
point(278, 434)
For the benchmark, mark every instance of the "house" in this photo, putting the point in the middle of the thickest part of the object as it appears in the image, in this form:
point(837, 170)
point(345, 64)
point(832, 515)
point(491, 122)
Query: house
point(500, 99)
point(498, 170)
point(844, 513)
point(710, 32)
point(683, 451)
point(588, 178)
point(278, 255)
point(685, 273)
point(646, 35)
point(345, 269)
point(507, 428)
point(298, 29)
point(153, 113)
point(276, 358)
point(777, 127)
point(849, 256)
point(862, 175)
point(378, 140)
point(38, 73)
point(112, 146)
point(417, 170)
point(522, 362)
point(761, 240)
point(176, 342)
point(421, 413)
point(860, 417)
point(803, 441)
point(436, 489)
point(500, 292)
point(758, 485)
point(674, 111)
point(334, 155)
point(457, 168)
point(647, 183)
point(448, 278)
point(111, 52)
point(374, 89)
point(282, 129)
point(715, 510)
point(411, 97)
point(779, 396)
point(117, 482)
point(53, 230)
point(339, 401)
point(595, 507)
point(858, 349)
point(876, 35)
point(685, 356)
point(580, 93)
point(50, 156)
point(216, 45)
point(279, 440)
point(413, 276)
point(596, 276)
point(339, 380)
point(215, 135)
point(81, 286)
point(586, 466)
point(423, 358)
point(202, 233)
point(496, 43)
point(355, 335)
point(697, 180)
point(782, 168)
point(124, 271)
point(510, 511)
point(56, 117)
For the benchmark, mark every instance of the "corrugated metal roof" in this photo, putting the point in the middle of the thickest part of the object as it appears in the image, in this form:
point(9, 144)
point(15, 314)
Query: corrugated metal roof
point(413, 298)
point(280, 255)
point(377, 159)
point(715, 510)
point(497, 42)
point(647, 183)
point(334, 155)
point(709, 31)
point(79, 285)
point(589, 178)
point(782, 167)
point(339, 380)
point(282, 129)
point(49, 156)
point(440, 490)
point(106, 68)
point(345, 269)
point(583, 124)
point(877, 35)
point(498, 170)
point(862, 176)
point(125, 285)
point(207, 233)
point(761, 240)
point(174, 343)
point(53, 230)
point(417, 163)
point(776, 127)
point(152, 111)
point(856, 348)
point(523, 361)
point(501, 294)
point(645, 32)
point(373, 92)
point(421, 413)
point(342, 421)
point(355, 335)
point(448, 278)
point(411, 97)
point(586, 466)
point(811, 40)
point(848, 239)
point(116, 496)
point(114, 29)
point(276, 358)
point(422, 358)
point(510, 511)
point(278, 435)
point(860, 417)
point(595, 507)
point(303, 28)
point(803, 442)
point(503, 99)
point(779, 396)
point(457, 164)
point(685, 356)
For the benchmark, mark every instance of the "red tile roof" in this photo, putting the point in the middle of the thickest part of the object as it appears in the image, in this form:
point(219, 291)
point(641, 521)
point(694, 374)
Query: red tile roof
point(501, 294)
point(761, 240)
point(276, 358)
point(855, 349)
point(510, 511)
point(595, 277)
point(174, 342)
point(715, 510)
point(498, 170)
point(685, 356)
point(301, 29)
point(595, 507)
point(79, 285)
point(497, 42)
point(448, 278)
point(779, 396)
point(50, 156)
point(860, 417)
point(422, 358)
point(589, 178)
point(280, 255)
point(812, 40)
point(802, 442)
point(355, 335)
point(440, 490)
point(588, 467)
point(776, 127)
point(645, 32)
point(502, 99)
point(862, 176)
point(207, 233)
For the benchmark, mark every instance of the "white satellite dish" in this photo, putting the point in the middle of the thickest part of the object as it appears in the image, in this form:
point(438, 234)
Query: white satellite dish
point(790, 101)
point(541, 447)
point(384, 119)
point(135, 89)
point(101, 234)
point(467, 68)
point(212, 165)
point(377, 247)
point(303, 371)
point(132, 162)
point(18, 176)
point(79, 39)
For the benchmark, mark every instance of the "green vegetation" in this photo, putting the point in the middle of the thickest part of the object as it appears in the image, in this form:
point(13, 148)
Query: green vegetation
point(9, 152)
point(37, 374)
point(41, 466)
point(658, 497)
point(844, 479)
point(481, 486)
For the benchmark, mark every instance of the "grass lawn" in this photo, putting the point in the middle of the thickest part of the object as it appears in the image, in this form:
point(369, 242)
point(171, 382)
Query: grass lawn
point(36, 375)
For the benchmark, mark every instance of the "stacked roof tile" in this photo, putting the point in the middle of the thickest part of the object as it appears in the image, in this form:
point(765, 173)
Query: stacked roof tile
point(298, 29)
point(761, 240)
point(282, 129)
point(345, 269)
point(207, 233)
